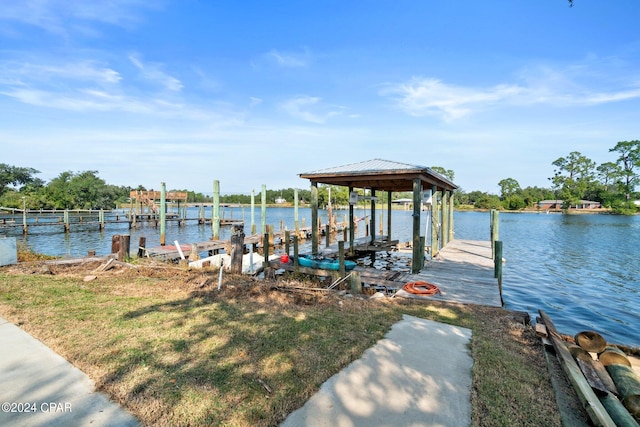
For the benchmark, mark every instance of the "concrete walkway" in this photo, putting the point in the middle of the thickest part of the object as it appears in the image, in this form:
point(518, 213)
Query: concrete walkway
point(38, 387)
point(418, 375)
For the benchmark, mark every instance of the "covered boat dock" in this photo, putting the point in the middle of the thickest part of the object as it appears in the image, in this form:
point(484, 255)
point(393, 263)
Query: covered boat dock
point(428, 187)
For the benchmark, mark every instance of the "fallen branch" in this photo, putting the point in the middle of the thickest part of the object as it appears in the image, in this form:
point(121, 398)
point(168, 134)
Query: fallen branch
point(265, 385)
point(339, 281)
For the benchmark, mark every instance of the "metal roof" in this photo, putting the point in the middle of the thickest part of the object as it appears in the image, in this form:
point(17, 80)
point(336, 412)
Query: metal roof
point(380, 174)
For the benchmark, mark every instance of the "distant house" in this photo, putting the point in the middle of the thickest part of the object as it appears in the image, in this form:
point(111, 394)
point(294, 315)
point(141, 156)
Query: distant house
point(402, 201)
point(280, 200)
point(557, 204)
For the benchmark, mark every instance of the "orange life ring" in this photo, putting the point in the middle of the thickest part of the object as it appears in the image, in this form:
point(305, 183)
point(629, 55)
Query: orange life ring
point(421, 288)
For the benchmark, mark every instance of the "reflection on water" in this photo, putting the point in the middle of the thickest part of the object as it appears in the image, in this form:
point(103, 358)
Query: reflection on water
point(581, 269)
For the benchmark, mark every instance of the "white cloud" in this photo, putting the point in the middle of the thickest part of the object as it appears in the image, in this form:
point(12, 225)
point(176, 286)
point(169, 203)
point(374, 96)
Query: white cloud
point(289, 60)
point(86, 86)
point(62, 17)
point(152, 72)
point(300, 106)
point(421, 97)
point(78, 71)
point(541, 85)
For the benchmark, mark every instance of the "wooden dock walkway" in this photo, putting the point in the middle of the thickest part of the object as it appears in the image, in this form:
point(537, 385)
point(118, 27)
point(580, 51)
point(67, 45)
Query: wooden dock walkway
point(463, 270)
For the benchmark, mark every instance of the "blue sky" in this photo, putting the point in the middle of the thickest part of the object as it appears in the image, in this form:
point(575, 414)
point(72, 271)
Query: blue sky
point(254, 92)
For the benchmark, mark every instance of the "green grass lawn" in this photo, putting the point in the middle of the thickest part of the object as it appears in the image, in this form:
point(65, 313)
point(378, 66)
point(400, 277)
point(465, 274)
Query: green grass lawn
point(175, 351)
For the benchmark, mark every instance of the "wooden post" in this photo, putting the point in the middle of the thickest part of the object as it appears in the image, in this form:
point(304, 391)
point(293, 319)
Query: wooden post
point(237, 248)
point(435, 221)
point(327, 234)
point(341, 258)
point(314, 217)
point(389, 194)
point(296, 266)
point(295, 212)
point(495, 233)
point(287, 238)
point(163, 213)
point(269, 230)
point(67, 226)
point(25, 227)
point(265, 249)
point(142, 244)
point(124, 247)
point(356, 283)
point(451, 224)
point(253, 212)
point(215, 214)
point(373, 215)
point(418, 252)
point(497, 271)
point(101, 219)
point(115, 243)
point(352, 233)
point(264, 208)
point(445, 218)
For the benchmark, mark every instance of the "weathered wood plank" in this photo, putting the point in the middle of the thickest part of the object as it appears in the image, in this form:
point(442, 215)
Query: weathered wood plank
point(464, 272)
point(598, 414)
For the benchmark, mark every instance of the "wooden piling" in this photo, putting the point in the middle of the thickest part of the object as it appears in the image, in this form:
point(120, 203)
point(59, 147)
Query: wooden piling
point(142, 244)
point(263, 208)
point(495, 232)
point(215, 218)
point(237, 248)
point(296, 265)
point(327, 232)
point(253, 207)
point(163, 213)
point(287, 237)
point(124, 247)
point(356, 283)
point(418, 253)
point(265, 249)
point(497, 272)
point(314, 218)
point(341, 258)
point(295, 212)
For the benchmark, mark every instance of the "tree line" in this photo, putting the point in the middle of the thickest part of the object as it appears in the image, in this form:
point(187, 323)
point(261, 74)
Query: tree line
point(575, 178)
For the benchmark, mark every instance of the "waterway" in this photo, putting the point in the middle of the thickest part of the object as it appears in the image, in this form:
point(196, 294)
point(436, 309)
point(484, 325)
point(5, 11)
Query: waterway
point(583, 270)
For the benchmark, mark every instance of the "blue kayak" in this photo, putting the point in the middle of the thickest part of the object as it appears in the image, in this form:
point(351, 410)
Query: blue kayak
point(324, 263)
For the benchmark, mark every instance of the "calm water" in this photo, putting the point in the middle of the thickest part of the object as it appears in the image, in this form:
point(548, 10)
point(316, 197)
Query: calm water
point(581, 269)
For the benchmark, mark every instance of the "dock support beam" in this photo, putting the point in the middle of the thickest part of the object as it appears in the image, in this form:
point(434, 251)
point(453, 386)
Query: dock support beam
point(418, 250)
point(451, 229)
point(314, 217)
point(445, 218)
point(352, 225)
point(435, 221)
point(389, 215)
point(373, 216)
point(215, 214)
point(253, 212)
point(295, 212)
point(263, 209)
point(163, 213)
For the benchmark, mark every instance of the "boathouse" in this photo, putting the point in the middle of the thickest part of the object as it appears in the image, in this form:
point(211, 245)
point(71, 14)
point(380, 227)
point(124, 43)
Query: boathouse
point(389, 176)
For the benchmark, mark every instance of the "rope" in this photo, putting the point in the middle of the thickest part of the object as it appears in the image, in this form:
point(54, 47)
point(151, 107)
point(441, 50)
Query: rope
point(421, 288)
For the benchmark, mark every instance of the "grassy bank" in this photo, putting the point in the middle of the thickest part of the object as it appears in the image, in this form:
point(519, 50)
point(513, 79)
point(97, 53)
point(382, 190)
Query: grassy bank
point(175, 351)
